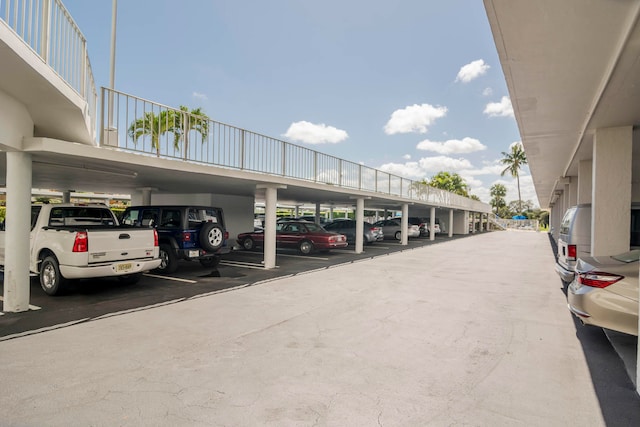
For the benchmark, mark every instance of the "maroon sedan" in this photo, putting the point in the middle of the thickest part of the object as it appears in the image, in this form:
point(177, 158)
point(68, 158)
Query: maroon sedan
point(305, 236)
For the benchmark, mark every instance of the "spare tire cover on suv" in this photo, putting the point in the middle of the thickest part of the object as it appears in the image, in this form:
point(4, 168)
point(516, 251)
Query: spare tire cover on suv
point(211, 236)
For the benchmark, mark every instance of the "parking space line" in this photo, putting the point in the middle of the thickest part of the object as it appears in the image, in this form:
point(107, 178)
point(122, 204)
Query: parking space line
point(304, 257)
point(46, 329)
point(177, 279)
point(31, 307)
point(242, 264)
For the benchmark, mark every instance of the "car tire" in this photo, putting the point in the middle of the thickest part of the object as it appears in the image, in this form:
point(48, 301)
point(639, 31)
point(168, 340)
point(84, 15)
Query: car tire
point(248, 244)
point(398, 235)
point(51, 280)
point(169, 260)
point(211, 237)
point(305, 247)
point(130, 279)
point(210, 262)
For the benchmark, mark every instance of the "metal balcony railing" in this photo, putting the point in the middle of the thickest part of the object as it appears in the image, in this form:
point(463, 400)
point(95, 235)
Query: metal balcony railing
point(48, 28)
point(138, 125)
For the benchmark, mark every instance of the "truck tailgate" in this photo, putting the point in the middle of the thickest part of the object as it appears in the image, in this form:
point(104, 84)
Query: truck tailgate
point(127, 244)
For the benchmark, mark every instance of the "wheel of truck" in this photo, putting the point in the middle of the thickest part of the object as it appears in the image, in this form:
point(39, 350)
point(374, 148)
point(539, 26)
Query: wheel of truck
point(248, 244)
point(398, 235)
point(211, 237)
point(168, 260)
point(210, 262)
point(130, 279)
point(305, 247)
point(51, 279)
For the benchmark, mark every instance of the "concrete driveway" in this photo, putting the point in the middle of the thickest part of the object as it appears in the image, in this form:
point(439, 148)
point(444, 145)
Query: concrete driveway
point(471, 332)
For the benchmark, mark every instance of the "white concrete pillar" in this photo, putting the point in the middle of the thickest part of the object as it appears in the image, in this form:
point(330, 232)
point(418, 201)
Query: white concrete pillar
point(331, 213)
point(66, 196)
point(16, 261)
point(432, 223)
point(473, 222)
point(450, 231)
point(146, 196)
point(317, 212)
point(585, 181)
point(405, 225)
point(296, 211)
point(359, 225)
point(270, 218)
point(573, 191)
point(611, 194)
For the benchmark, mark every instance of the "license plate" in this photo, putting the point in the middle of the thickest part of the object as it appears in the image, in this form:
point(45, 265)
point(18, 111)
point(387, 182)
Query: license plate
point(194, 254)
point(124, 267)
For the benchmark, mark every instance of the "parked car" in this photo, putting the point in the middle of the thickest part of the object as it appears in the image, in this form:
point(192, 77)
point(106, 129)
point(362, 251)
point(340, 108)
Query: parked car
point(78, 241)
point(185, 232)
point(322, 220)
point(604, 292)
point(574, 238)
point(392, 229)
point(437, 227)
point(422, 224)
point(347, 227)
point(305, 236)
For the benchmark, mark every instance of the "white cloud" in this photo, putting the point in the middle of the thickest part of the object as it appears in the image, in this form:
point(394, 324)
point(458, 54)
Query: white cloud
point(485, 170)
point(500, 109)
point(487, 92)
point(407, 157)
point(414, 118)
point(426, 167)
point(200, 96)
point(472, 71)
point(311, 133)
point(452, 146)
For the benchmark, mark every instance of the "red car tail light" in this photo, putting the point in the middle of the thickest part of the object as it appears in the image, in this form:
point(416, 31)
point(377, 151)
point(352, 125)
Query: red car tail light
point(155, 237)
point(81, 242)
point(572, 252)
point(226, 235)
point(186, 236)
point(597, 279)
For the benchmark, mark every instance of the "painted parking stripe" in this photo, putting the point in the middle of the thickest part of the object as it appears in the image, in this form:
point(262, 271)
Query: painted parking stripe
point(304, 257)
point(240, 264)
point(31, 307)
point(176, 279)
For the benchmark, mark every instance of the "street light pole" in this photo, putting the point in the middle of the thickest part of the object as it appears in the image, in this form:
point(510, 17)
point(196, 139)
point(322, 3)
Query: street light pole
point(112, 73)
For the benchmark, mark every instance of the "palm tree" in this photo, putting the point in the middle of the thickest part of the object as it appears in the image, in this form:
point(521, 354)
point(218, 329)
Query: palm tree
point(153, 125)
point(451, 182)
point(186, 121)
point(498, 193)
point(514, 161)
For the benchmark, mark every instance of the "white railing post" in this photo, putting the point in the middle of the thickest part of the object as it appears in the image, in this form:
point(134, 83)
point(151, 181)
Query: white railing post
point(242, 149)
point(46, 30)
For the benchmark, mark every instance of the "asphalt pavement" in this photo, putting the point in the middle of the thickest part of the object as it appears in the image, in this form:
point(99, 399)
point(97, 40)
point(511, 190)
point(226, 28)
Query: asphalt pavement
point(470, 332)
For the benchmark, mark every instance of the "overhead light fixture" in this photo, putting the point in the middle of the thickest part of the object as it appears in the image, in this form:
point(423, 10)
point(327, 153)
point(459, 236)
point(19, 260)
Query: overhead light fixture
point(85, 168)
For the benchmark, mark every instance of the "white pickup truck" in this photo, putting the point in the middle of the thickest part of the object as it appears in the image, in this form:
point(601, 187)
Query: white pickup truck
point(70, 241)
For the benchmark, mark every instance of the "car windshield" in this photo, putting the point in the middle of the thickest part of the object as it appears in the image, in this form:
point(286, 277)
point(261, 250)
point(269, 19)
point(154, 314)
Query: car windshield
point(628, 257)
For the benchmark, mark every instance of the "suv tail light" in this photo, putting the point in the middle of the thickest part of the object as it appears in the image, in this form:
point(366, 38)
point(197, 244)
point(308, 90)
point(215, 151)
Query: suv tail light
point(596, 279)
point(155, 237)
point(81, 242)
point(571, 252)
point(226, 235)
point(186, 236)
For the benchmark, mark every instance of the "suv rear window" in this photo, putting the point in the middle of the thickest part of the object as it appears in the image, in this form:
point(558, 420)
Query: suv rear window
point(566, 220)
point(198, 215)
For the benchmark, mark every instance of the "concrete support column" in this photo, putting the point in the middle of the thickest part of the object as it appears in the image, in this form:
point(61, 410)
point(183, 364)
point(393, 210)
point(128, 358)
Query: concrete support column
point(450, 231)
point(585, 181)
point(296, 211)
point(611, 193)
point(359, 225)
point(573, 191)
point(405, 225)
point(270, 218)
point(331, 213)
point(317, 212)
point(16, 262)
point(66, 196)
point(460, 223)
point(432, 223)
point(146, 196)
point(473, 222)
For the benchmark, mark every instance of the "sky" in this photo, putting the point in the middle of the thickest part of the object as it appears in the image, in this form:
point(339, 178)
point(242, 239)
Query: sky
point(411, 87)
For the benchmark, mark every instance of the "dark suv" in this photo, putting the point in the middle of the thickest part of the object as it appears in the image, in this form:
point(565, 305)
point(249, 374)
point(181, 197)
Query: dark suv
point(184, 232)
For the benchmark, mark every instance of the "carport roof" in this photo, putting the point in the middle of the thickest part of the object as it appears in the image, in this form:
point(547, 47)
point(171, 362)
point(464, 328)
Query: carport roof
point(62, 165)
point(571, 67)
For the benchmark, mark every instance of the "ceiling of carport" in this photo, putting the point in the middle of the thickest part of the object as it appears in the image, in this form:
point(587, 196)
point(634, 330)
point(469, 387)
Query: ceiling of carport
point(60, 165)
point(571, 66)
